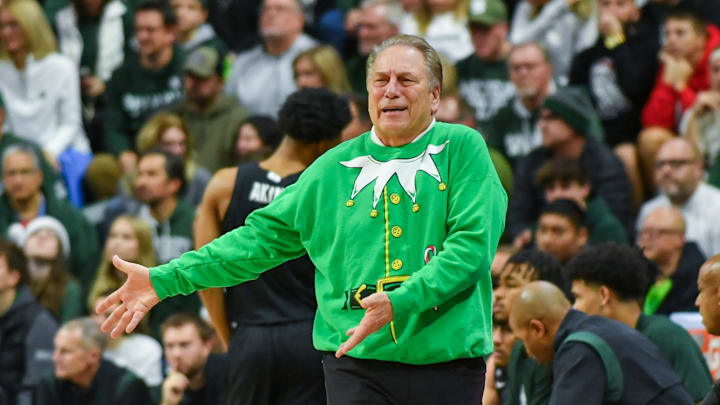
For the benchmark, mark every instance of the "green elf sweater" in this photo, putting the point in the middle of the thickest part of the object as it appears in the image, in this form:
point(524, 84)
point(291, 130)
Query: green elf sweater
point(421, 222)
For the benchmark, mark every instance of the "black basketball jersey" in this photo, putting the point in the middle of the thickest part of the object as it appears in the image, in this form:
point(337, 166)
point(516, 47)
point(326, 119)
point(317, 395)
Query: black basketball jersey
point(283, 294)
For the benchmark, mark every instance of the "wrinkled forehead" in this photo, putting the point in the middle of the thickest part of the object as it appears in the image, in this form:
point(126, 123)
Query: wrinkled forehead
point(400, 59)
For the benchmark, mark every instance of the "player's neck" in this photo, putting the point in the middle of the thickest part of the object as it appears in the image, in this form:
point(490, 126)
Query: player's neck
point(287, 159)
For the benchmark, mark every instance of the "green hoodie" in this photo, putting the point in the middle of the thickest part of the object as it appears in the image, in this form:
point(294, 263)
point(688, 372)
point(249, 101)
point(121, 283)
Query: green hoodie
point(428, 214)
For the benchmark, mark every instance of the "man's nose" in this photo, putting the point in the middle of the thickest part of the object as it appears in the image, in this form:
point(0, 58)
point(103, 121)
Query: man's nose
point(392, 90)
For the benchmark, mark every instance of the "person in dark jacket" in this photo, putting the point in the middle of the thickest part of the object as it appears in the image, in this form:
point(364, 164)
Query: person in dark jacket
point(595, 360)
point(566, 118)
point(26, 330)
point(611, 280)
point(662, 239)
point(81, 376)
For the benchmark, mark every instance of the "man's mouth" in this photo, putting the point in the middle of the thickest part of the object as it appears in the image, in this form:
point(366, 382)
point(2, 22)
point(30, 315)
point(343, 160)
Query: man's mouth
point(393, 109)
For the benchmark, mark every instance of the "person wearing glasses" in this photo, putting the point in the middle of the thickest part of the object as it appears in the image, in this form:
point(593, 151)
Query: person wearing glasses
point(679, 175)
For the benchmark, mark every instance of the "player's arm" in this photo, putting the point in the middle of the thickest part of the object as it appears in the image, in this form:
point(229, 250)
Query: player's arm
point(207, 227)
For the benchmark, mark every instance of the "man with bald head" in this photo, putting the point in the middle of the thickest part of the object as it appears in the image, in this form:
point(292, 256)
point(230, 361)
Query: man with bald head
point(595, 360)
point(679, 174)
point(708, 302)
point(662, 240)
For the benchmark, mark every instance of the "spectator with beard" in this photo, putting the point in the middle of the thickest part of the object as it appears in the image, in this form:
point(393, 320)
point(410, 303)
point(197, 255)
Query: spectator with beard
point(679, 175)
point(262, 77)
point(212, 118)
point(196, 375)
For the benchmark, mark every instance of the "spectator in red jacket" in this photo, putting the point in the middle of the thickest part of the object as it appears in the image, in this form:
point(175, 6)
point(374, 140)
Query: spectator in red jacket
point(683, 74)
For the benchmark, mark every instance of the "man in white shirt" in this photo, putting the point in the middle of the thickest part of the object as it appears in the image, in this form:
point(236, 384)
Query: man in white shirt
point(262, 77)
point(679, 173)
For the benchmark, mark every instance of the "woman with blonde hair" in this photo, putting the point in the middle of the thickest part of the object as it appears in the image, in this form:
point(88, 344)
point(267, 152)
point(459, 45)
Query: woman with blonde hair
point(321, 66)
point(40, 87)
point(169, 132)
point(444, 25)
point(131, 239)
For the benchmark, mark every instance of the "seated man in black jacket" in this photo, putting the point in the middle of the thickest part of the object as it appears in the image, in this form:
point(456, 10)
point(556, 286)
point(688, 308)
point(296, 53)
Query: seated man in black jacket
point(566, 119)
point(594, 360)
point(81, 375)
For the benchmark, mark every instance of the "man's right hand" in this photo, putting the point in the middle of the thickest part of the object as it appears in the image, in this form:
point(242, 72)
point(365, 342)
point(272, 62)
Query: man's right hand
point(173, 388)
point(135, 298)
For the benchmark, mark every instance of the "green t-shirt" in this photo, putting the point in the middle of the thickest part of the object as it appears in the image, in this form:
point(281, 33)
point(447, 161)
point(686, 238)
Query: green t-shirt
point(485, 85)
point(681, 351)
point(513, 131)
point(529, 383)
point(421, 221)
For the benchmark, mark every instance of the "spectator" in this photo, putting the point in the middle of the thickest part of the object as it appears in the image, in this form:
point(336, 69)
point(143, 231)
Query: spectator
point(565, 122)
point(95, 35)
point(24, 200)
point(483, 76)
point(40, 86)
point(662, 240)
point(133, 238)
point(249, 316)
point(563, 178)
point(496, 376)
point(708, 302)
point(565, 30)
point(169, 132)
point(136, 352)
point(26, 329)
point(701, 122)
point(679, 174)
point(192, 29)
point(52, 183)
point(444, 24)
point(526, 378)
point(611, 280)
point(321, 66)
point(514, 129)
point(579, 346)
point(257, 138)
point(377, 21)
point(561, 230)
point(212, 118)
point(81, 375)
point(47, 248)
point(262, 77)
point(360, 122)
point(146, 81)
point(130, 238)
point(683, 74)
point(196, 376)
point(618, 71)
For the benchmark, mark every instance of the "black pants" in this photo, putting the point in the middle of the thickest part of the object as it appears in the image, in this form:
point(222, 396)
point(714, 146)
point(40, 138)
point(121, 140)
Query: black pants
point(371, 382)
point(274, 365)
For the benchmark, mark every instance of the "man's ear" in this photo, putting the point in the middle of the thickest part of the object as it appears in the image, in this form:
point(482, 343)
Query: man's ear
point(435, 102)
point(14, 278)
point(176, 184)
point(537, 327)
point(605, 295)
point(582, 236)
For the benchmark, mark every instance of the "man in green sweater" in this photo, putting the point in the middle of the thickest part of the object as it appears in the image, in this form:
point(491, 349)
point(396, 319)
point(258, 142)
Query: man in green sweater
point(402, 266)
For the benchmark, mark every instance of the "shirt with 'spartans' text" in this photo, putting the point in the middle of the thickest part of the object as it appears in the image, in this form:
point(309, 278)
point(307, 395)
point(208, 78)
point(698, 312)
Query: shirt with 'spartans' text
point(485, 85)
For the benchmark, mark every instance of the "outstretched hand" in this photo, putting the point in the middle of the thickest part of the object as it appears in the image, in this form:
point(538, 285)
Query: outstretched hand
point(135, 298)
point(378, 312)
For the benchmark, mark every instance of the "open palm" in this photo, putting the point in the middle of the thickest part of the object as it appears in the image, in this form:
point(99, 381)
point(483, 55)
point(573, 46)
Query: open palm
point(135, 298)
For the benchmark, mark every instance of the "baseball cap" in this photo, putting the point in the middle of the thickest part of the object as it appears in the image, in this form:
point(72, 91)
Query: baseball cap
point(487, 12)
point(203, 62)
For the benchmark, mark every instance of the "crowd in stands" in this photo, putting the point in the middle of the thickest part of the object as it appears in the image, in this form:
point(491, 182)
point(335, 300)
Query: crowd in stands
point(602, 118)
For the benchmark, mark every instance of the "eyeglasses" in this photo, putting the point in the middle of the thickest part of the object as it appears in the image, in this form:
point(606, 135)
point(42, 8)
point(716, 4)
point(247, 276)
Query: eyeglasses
point(653, 233)
point(673, 163)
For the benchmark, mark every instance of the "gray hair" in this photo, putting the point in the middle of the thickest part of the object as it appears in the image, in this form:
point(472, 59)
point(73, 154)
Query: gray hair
point(433, 64)
point(92, 337)
point(22, 148)
point(540, 46)
point(391, 10)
